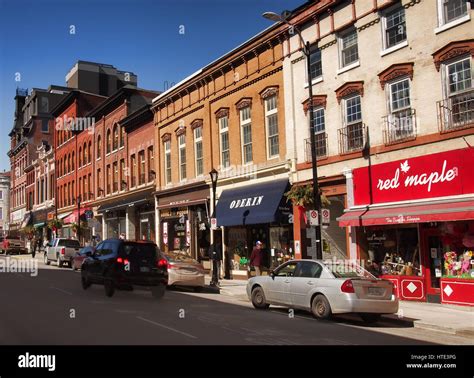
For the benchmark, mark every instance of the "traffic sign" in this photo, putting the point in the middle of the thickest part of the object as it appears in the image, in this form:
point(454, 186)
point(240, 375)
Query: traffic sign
point(326, 216)
point(313, 218)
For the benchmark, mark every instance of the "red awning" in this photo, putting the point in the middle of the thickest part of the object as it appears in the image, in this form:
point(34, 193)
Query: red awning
point(72, 218)
point(351, 218)
point(428, 212)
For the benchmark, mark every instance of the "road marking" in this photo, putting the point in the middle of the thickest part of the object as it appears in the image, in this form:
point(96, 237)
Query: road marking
point(169, 328)
point(61, 290)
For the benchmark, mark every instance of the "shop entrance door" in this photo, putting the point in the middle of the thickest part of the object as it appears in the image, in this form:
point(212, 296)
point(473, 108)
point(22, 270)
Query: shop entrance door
point(433, 264)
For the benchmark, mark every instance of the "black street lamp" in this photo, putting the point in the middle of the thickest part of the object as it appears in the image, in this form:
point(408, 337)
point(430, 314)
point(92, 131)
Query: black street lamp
point(314, 162)
point(79, 218)
point(215, 275)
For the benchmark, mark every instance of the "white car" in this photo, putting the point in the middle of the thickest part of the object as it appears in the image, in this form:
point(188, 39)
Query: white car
point(324, 288)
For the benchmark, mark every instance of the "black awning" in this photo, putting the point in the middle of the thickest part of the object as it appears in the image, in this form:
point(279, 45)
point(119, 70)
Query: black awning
point(131, 200)
point(251, 204)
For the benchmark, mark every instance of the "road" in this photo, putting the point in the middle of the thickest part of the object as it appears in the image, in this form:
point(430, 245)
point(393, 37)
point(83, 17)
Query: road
point(53, 309)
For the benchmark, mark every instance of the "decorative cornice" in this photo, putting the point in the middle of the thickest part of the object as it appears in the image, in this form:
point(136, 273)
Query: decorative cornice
point(453, 50)
point(349, 88)
point(222, 112)
point(269, 91)
point(166, 137)
point(244, 103)
point(318, 101)
point(180, 130)
point(196, 123)
point(395, 71)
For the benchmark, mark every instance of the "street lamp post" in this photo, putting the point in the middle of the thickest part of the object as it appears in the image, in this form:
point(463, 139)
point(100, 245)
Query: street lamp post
point(79, 218)
point(314, 162)
point(215, 276)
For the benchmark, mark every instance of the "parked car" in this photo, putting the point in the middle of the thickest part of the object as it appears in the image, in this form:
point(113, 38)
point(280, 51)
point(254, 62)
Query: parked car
point(61, 250)
point(184, 271)
point(122, 264)
point(324, 289)
point(15, 246)
point(80, 256)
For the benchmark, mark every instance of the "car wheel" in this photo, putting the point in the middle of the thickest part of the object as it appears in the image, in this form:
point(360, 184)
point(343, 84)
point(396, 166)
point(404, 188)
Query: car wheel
point(158, 291)
point(46, 261)
point(198, 289)
point(320, 307)
point(85, 282)
point(59, 262)
point(258, 299)
point(370, 318)
point(109, 287)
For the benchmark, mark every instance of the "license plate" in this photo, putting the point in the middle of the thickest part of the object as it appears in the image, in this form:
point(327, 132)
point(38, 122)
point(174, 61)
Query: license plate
point(375, 290)
point(144, 269)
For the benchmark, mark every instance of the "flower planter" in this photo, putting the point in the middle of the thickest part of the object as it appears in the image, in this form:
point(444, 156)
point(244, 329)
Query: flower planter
point(408, 288)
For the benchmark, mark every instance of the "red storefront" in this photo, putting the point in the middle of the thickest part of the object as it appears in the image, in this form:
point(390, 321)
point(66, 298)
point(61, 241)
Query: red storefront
point(413, 222)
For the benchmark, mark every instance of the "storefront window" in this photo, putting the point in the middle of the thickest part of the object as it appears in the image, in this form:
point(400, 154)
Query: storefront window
point(237, 246)
point(281, 245)
point(392, 251)
point(457, 245)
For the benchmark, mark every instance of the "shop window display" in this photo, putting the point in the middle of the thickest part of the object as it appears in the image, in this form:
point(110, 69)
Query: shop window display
point(393, 251)
point(457, 239)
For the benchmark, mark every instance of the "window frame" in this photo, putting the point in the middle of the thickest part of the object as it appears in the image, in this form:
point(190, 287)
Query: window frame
point(167, 162)
point(199, 161)
point(268, 114)
point(445, 72)
point(340, 39)
point(222, 131)
point(445, 24)
point(243, 124)
point(384, 16)
point(182, 157)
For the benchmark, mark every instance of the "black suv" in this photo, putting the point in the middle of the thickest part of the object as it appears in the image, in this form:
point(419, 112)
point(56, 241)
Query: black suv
point(121, 264)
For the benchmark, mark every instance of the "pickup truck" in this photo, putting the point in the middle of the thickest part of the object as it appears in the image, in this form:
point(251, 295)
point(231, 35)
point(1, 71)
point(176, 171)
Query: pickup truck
point(15, 245)
point(61, 250)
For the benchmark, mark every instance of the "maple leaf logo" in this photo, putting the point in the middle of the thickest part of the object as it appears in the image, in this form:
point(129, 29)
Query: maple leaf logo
point(404, 166)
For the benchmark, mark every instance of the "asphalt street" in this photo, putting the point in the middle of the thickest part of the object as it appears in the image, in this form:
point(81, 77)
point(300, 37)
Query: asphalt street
point(53, 309)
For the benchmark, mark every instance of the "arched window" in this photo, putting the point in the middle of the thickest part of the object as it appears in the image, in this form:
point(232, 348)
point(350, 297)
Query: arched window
point(89, 151)
point(109, 141)
point(68, 163)
point(58, 167)
point(79, 157)
point(73, 165)
point(99, 147)
point(84, 154)
point(116, 137)
point(122, 136)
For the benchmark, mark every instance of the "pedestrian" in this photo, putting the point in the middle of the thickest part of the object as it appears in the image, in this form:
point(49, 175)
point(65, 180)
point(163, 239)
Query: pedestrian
point(6, 245)
point(256, 258)
point(33, 245)
point(215, 254)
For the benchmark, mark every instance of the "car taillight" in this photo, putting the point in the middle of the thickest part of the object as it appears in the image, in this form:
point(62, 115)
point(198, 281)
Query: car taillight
point(162, 263)
point(63, 251)
point(347, 287)
point(119, 260)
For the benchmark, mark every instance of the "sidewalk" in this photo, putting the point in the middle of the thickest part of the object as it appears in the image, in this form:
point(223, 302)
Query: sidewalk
point(454, 320)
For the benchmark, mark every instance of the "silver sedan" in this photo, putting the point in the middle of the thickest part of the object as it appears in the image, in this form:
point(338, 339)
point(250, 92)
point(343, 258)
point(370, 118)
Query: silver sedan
point(324, 288)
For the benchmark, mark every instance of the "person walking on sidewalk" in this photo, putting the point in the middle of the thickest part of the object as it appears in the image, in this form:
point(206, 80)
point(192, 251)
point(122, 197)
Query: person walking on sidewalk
point(256, 258)
point(215, 254)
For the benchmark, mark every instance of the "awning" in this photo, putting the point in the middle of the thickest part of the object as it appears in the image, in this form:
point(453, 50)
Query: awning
point(429, 212)
point(192, 196)
point(62, 216)
point(72, 218)
point(251, 204)
point(123, 203)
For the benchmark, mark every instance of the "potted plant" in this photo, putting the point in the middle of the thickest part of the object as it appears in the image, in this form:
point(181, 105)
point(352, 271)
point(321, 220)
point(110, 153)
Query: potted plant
point(301, 196)
point(55, 224)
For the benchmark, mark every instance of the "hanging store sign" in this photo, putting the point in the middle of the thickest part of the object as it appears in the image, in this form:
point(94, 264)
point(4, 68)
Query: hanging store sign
point(430, 176)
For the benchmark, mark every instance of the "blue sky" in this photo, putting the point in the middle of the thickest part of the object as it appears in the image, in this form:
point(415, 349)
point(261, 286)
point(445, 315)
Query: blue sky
point(141, 36)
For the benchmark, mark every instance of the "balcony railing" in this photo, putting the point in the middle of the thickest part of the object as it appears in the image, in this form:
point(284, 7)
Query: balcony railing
point(399, 126)
point(321, 147)
point(456, 112)
point(352, 138)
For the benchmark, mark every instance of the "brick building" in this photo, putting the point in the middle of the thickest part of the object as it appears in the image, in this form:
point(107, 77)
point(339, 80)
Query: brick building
point(4, 202)
point(228, 116)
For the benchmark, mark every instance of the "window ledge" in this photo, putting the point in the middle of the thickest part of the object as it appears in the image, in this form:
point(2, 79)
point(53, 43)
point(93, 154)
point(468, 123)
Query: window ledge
point(394, 48)
point(315, 81)
point(452, 24)
point(349, 67)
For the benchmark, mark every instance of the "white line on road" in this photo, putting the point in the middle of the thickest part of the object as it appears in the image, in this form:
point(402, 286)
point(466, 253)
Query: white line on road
point(61, 290)
point(169, 328)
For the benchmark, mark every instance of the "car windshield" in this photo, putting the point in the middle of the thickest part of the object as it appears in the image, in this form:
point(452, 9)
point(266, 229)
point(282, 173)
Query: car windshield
point(347, 269)
point(147, 251)
point(179, 257)
point(68, 243)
